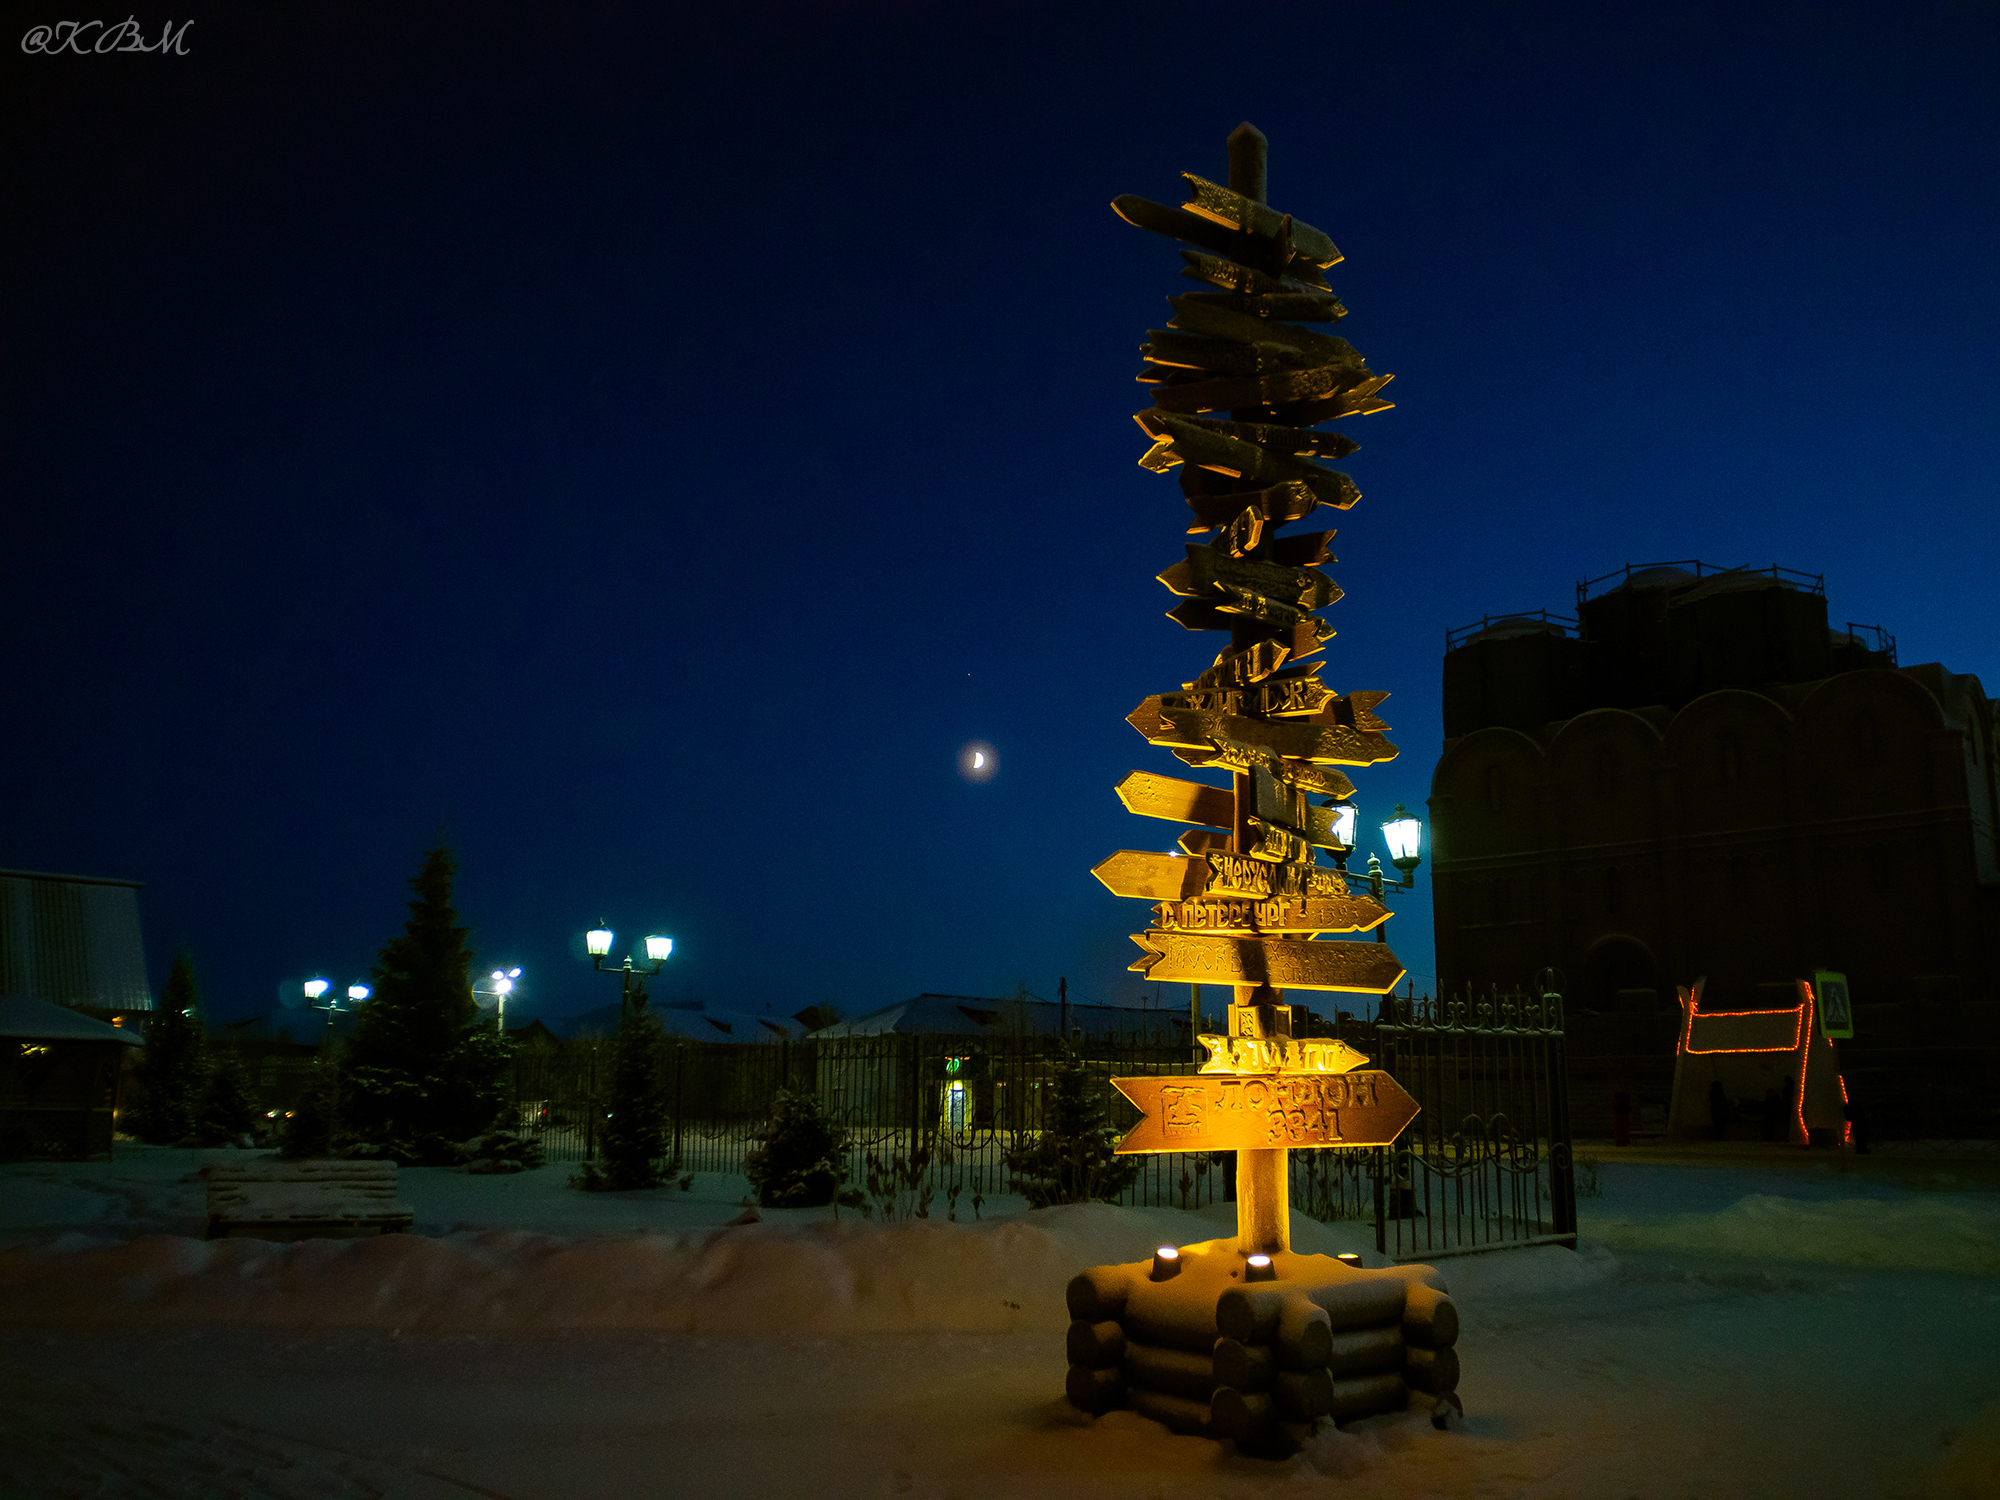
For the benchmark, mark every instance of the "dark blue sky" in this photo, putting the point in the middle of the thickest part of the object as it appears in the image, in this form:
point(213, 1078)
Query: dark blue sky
point(650, 444)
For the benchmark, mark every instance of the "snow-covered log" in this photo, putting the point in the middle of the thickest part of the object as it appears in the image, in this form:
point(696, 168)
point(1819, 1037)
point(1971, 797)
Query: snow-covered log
point(1094, 1391)
point(1366, 1351)
point(1433, 1370)
point(1096, 1345)
point(1365, 1395)
point(1247, 1416)
point(1180, 1413)
point(1302, 1395)
point(1248, 1367)
point(1430, 1318)
point(1176, 1372)
point(1099, 1292)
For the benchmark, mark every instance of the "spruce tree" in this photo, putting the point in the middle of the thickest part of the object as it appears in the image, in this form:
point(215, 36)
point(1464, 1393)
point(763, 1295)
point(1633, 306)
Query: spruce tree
point(1072, 1160)
point(801, 1158)
point(420, 1072)
point(172, 1068)
point(224, 1114)
point(635, 1134)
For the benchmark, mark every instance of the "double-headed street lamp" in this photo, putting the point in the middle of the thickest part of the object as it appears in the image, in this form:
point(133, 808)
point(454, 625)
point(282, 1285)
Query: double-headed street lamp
point(1403, 834)
point(598, 942)
point(317, 990)
point(503, 986)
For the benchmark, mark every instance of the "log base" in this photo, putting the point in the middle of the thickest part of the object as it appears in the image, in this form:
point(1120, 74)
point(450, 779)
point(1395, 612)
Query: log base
point(1210, 1353)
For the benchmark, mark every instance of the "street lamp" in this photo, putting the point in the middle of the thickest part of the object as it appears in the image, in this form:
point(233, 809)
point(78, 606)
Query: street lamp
point(598, 942)
point(503, 986)
point(317, 990)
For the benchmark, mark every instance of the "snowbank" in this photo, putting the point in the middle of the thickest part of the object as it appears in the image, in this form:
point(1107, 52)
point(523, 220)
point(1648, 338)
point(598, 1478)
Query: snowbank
point(1914, 1232)
point(794, 1275)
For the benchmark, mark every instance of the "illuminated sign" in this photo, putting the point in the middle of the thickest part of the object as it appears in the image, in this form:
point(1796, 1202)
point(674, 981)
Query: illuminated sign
point(1836, 1009)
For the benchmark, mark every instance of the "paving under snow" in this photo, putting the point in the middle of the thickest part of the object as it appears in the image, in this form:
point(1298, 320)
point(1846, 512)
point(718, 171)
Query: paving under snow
point(1742, 1328)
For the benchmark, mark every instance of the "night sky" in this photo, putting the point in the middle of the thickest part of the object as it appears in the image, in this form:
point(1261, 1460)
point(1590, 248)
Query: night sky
point(648, 445)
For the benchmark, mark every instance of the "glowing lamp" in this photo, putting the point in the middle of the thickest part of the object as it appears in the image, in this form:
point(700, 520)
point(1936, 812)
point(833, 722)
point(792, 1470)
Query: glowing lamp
point(1343, 823)
point(358, 992)
point(316, 987)
point(1166, 1263)
point(1259, 1268)
point(502, 985)
point(598, 941)
point(1402, 834)
point(658, 949)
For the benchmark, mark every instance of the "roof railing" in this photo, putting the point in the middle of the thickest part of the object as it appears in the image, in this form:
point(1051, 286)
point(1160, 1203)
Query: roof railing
point(1884, 643)
point(1813, 582)
point(1463, 634)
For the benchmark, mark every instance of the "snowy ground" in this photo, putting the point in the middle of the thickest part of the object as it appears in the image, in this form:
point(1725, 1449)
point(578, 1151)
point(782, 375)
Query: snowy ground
point(1735, 1326)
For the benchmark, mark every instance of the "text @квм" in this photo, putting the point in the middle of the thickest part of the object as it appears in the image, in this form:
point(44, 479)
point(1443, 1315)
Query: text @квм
point(85, 37)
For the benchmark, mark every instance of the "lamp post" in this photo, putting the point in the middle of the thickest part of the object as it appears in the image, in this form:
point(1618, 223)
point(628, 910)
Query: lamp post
point(598, 942)
point(503, 986)
point(317, 989)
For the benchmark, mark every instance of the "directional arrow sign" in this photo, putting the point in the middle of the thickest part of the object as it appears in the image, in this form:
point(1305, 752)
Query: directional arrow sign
point(1193, 729)
point(1154, 877)
point(1223, 914)
point(1220, 1112)
point(1183, 958)
point(1153, 796)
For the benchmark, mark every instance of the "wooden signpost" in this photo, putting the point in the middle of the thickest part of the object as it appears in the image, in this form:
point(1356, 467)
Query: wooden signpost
point(1238, 387)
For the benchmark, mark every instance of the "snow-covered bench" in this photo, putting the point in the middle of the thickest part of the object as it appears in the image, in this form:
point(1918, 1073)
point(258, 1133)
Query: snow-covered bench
point(272, 1199)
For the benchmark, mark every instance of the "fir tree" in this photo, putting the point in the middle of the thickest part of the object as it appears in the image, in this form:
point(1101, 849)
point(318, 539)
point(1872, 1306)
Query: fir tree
point(803, 1156)
point(310, 1129)
point(1072, 1160)
point(635, 1133)
point(420, 1073)
point(224, 1115)
point(172, 1067)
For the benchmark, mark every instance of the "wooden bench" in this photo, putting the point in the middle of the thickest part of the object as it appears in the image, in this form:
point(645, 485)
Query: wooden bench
point(295, 1199)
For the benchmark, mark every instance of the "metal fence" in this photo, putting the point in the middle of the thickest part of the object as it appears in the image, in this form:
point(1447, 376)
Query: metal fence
point(1485, 1165)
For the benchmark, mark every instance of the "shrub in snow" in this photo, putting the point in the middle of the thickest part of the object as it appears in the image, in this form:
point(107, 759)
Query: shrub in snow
point(171, 1068)
point(420, 1072)
point(803, 1156)
point(308, 1131)
point(500, 1151)
point(1071, 1160)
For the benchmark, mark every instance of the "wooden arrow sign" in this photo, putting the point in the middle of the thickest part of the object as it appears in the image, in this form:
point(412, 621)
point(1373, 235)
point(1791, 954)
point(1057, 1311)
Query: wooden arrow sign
point(1354, 968)
point(1322, 781)
point(1192, 353)
point(1153, 877)
point(1246, 918)
point(1206, 320)
point(1180, 440)
point(1226, 273)
point(1211, 234)
point(1295, 739)
point(1153, 796)
point(1231, 874)
point(1278, 307)
point(1276, 698)
point(1224, 1112)
point(1278, 504)
point(1234, 211)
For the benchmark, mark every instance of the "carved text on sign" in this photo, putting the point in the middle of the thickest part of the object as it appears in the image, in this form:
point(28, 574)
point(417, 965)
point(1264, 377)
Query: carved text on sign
point(1281, 914)
point(1279, 1054)
point(1221, 1112)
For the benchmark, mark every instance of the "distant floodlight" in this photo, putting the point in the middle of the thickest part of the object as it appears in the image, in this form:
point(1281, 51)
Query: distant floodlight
point(1259, 1269)
point(598, 941)
point(358, 992)
point(658, 949)
point(316, 987)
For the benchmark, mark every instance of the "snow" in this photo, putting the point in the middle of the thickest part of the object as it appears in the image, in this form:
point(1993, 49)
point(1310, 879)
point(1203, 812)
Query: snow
point(1765, 1327)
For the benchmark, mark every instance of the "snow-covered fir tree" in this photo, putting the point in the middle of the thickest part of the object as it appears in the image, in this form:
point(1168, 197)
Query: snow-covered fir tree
point(420, 1072)
point(172, 1068)
point(1071, 1160)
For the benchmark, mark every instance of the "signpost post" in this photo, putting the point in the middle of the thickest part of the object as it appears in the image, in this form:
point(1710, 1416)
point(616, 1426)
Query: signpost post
point(1238, 386)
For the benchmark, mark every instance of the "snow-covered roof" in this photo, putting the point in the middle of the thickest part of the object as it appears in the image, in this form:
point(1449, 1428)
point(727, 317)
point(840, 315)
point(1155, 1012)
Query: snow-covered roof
point(971, 1015)
point(695, 1021)
point(38, 1021)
